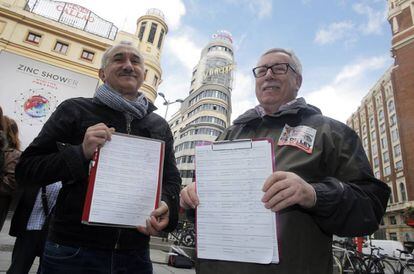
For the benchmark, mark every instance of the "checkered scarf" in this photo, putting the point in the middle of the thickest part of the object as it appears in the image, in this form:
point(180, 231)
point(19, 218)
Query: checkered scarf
point(108, 96)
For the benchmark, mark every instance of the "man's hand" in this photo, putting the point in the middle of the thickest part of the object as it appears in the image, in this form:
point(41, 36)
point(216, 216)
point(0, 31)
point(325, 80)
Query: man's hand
point(188, 197)
point(283, 189)
point(158, 220)
point(95, 136)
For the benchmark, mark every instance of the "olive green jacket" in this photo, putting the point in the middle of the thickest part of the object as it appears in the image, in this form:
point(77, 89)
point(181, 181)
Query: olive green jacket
point(350, 200)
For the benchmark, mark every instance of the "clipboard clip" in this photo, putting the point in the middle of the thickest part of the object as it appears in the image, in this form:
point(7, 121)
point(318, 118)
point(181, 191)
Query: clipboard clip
point(232, 144)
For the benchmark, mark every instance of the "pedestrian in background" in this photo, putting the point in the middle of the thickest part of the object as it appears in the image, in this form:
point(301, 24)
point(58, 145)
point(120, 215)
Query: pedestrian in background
point(323, 184)
point(11, 156)
point(30, 225)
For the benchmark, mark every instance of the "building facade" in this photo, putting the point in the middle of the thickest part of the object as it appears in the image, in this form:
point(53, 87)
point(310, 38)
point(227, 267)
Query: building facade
point(384, 123)
point(206, 111)
point(72, 37)
point(377, 123)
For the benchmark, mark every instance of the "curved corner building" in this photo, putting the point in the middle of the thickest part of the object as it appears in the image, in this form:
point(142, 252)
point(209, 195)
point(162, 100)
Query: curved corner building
point(206, 111)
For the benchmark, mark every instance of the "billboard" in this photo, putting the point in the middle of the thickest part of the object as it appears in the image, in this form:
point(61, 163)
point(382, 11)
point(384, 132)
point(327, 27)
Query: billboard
point(73, 15)
point(31, 90)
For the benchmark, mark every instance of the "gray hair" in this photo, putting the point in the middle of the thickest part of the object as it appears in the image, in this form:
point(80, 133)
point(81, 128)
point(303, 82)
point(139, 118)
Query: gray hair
point(107, 53)
point(295, 60)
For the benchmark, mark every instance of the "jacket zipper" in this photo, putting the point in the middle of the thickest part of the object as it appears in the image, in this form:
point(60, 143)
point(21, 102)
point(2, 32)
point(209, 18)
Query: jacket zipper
point(129, 119)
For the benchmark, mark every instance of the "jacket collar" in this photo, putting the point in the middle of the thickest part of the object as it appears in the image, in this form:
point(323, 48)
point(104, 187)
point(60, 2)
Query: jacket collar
point(293, 107)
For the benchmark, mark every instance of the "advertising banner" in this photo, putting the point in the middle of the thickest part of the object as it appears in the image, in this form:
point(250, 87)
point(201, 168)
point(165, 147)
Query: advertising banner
point(31, 90)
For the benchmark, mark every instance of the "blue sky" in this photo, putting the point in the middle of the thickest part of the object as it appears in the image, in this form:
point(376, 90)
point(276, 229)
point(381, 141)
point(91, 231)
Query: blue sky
point(344, 45)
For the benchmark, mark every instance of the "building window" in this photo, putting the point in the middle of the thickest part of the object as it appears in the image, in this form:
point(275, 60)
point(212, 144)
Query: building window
point(393, 120)
point(393, 236)
point(61, 47)
point(376, 161)
point(382, 128)
point(381, 115)
point(391, 106)
point(33, 38)
point(393, 220)
point(386, 157)
point(142, 30)
point(371, 122)
point(397, 150)
point(384, 143)
point(398, 165)
point(152, 32)
point(387, 171)
point(394, 135)
point(145, 74)
point(364, 129)
point(373, 136)
point(87, 55)
point(374, 149)
point(160, 39)
point(402, 191)
point(155, 81)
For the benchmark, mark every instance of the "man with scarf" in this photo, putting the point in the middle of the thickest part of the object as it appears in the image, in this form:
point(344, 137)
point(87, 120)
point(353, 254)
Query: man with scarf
point(83, 125)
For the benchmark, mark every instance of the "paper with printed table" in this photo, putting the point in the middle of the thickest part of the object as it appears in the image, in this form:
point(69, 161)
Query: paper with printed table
point(231, 221)
point(124, 182)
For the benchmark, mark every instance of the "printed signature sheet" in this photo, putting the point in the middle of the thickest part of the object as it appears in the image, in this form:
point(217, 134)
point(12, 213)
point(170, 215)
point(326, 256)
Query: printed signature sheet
point(232, 222)
point(127, 178)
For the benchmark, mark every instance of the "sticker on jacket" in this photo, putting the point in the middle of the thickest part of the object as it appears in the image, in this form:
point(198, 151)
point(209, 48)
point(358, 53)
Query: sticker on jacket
point(302, 137)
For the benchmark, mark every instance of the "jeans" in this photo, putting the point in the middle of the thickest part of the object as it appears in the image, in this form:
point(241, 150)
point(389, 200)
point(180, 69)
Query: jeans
point(60, 259)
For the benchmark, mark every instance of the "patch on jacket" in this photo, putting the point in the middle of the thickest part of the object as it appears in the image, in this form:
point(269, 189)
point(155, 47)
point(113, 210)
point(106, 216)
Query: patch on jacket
point(302, 137)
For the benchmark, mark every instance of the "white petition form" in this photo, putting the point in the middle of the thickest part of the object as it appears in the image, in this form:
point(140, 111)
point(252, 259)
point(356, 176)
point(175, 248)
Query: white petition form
point(232, 222)
point(126, 187)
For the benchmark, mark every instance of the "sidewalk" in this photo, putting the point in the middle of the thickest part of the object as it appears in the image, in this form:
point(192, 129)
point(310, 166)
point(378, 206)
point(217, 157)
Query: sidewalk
point(158, 256)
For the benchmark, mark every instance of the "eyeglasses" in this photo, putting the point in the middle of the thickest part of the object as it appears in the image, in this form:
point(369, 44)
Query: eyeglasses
point(278, 68)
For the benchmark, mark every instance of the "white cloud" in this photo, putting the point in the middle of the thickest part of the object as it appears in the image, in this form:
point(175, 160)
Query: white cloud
point(334, 32)
point(243, 95)
point(183, 48)
point(340, 98)
point(375, 18)
point(262, 8)
point(355, 71)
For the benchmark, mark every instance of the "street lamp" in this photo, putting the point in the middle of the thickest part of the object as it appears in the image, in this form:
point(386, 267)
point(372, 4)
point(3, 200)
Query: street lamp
point(167, 103)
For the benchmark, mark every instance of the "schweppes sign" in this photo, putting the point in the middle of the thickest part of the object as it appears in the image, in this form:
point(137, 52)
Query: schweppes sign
point(219, 70)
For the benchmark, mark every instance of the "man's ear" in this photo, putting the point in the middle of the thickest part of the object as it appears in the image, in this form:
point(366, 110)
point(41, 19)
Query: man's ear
point(298, 81)
point(102, 75)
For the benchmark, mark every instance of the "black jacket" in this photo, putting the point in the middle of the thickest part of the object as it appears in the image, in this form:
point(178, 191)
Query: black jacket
point(350, 200)
point(43, 163)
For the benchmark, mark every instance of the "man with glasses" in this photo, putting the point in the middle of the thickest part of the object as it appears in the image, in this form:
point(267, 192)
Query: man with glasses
point(323, 184)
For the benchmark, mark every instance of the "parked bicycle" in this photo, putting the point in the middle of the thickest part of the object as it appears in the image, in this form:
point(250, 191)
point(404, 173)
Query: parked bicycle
point(350, 260)
point(376, 263)
point(404, 265)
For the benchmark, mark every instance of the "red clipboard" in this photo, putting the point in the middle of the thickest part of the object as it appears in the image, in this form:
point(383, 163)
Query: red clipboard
point(96, 169)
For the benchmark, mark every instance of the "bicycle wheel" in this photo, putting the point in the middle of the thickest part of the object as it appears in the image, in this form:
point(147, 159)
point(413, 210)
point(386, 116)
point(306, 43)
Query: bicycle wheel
point(337, 267)
point(359, 266)
point(375, 267)
point(387, 267)
point(410, 266)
